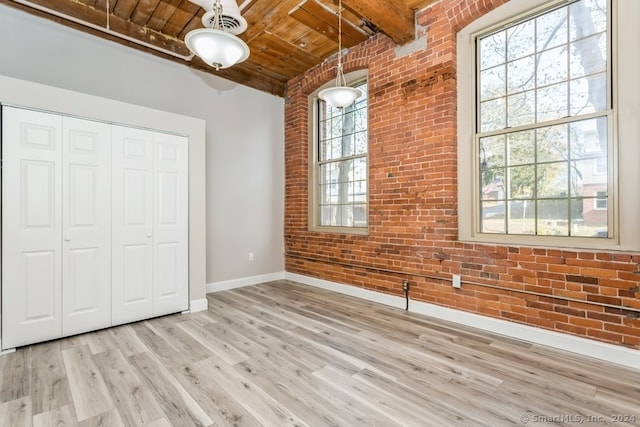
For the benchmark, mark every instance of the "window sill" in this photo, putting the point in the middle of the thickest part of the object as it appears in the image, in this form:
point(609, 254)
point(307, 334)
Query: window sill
point(359, 231)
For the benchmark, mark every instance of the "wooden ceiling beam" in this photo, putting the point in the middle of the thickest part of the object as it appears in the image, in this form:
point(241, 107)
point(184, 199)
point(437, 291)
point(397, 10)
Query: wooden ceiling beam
point(393, 18)
point(318, 18)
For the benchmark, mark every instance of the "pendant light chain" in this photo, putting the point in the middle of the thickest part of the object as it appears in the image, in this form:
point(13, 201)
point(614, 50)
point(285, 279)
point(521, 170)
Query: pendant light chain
point(217, 15)
point(340, 80)
point(341, 95)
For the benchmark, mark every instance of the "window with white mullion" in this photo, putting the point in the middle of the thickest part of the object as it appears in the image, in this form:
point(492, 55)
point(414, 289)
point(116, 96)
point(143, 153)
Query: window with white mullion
point(340, 162)
point(543, 113)
point(595, 111)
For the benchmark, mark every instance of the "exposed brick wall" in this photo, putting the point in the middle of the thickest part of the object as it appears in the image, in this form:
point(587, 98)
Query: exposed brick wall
point(413, 203)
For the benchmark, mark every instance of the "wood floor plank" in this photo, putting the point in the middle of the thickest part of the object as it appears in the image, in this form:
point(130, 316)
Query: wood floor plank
point(177, 404)
point(169, 328)
point(49, 382)
point(106, 419)
point(88, 389)
point(263, 407)
point(100, 341)
point(163, 422)
point(63, 416)
point(135, 404)
point(307, 397)
point(214, 398)
point(16, 413)
point(15, 375)
point(127, 341)
point(383, 404)
point(210, 337)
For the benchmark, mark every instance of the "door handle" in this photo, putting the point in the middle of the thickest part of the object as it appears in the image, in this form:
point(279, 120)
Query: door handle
point(67, 239)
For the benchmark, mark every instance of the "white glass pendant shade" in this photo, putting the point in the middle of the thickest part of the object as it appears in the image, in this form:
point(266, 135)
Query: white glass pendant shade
point(217, 47)
point(340, 96)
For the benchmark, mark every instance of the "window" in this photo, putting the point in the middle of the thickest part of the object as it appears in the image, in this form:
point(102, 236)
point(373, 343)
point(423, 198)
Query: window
point(340, 166)
point(542, 143)
point(543, 120)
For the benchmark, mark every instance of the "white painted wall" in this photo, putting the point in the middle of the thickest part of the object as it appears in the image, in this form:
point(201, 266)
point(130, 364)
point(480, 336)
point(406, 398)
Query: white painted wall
point(244, 130)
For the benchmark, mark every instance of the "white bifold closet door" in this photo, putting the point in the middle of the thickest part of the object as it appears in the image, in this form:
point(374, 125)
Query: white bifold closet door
point(86, 225)
point(150, 224)
point(55, 226)
point(170, 223)
point(31, 227)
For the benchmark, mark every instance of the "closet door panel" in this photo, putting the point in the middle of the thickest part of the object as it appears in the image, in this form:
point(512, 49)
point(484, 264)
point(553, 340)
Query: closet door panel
point(171, 256)
point(132, 233)
point(31, 227)
point(86, 181)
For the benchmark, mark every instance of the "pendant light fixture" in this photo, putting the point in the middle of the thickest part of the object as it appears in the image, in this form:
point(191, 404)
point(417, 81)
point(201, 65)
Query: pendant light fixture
point(217, 44)
point(340, 95)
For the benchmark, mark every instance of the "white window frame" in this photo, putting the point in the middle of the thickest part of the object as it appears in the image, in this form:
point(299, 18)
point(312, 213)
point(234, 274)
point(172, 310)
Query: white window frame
point(352, 79)
point(624, 172)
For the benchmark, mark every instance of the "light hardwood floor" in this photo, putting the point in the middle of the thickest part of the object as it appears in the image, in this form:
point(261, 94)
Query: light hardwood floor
point(284, 354)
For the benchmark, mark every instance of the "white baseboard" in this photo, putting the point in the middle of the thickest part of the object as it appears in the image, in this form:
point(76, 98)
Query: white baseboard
point(198, 305)
point(583, 346)
point(244, 281)
point(7, 351)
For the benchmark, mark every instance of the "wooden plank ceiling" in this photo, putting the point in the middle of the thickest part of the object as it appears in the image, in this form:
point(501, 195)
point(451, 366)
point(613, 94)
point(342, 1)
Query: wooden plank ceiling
point(286, 37)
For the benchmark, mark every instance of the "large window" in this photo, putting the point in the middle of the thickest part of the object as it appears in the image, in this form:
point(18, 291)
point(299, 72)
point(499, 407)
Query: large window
point(543, 120)
point(546, 142)
point(340, 191)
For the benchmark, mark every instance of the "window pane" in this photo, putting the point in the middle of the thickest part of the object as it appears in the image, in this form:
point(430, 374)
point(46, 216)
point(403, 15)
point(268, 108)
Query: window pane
point(492, 151)
point(553, 180)
point(493, 184)
point(522, 217)
point(492, 214)
point(492, 50)
point(553, 217)
point(552, 102)
point(521, 75)
point(551, 29)
point(588, 17)
point(521, 147)
point(521, 108)
point(520, 40)
point(589, 56)
point(552, 143)
point(552, 66)
point(521, 182)
point(493, 115)
point(588, 95)
point(492, 83)
point(588, 136)
point(587, 220)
